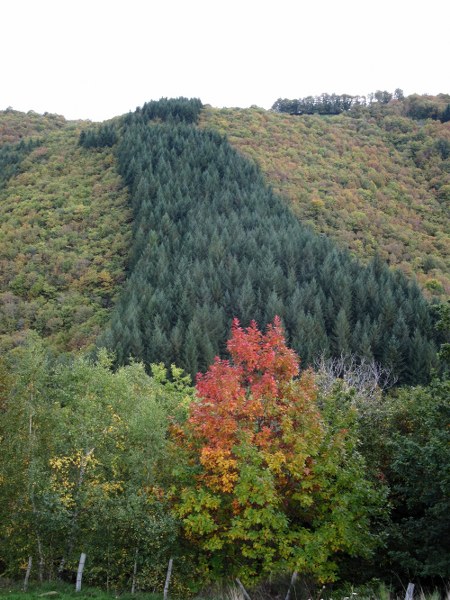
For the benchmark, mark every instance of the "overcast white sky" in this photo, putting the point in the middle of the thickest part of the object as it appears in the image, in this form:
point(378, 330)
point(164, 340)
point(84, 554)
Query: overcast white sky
point(94, 59)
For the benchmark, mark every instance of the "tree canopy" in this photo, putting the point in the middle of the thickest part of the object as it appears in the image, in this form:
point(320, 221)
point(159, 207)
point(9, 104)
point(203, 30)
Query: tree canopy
point(273, 484)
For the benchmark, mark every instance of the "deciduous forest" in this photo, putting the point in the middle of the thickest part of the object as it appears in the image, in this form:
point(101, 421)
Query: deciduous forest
point(225, 342)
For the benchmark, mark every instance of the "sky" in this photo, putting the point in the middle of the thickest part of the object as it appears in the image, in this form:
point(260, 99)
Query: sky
point(95, 59)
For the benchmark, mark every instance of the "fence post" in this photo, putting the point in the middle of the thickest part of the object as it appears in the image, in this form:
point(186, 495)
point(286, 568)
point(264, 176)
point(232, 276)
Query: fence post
point(243, 590)
point(410, 592)
point(27, 574)
point(80, 572)
point(166, 585)
point(133, 583)
point(293, 580)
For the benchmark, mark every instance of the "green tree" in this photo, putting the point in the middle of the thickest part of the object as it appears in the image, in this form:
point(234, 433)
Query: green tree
point(341, 333)
point(83, 461)
point(26, 439)
point(417, 438)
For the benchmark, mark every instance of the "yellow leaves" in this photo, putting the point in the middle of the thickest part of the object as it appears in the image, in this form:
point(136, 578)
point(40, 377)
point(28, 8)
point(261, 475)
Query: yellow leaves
point(196, 501)
point(111, 487)
point(80, 458)
point(60, 463)
point(214, 543)
point(220, 468)
point(69, 473)
point(317, 204)
point(65, 476)
point(275, 461)
point(117, 421)
point(120, 444)
point(105, 280)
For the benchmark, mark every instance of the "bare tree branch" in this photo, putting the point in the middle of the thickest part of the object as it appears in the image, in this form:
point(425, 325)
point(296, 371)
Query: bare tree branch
point(367, 378)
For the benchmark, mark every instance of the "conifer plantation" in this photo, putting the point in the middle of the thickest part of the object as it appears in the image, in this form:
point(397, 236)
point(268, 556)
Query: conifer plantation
point(211, 241)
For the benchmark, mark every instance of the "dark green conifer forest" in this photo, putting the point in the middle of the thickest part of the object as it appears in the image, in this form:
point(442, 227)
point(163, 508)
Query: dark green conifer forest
point(211, 241)
point(11, 156)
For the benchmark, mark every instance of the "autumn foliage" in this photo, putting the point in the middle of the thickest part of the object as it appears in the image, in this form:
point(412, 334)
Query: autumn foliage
point(275, 485)
point(373, 180)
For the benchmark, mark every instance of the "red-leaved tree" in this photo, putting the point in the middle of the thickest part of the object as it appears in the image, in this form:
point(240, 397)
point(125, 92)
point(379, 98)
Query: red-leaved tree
point(271, 483)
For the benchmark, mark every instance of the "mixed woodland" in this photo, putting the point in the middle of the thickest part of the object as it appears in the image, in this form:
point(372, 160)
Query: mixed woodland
point(225, 340)
point(373, 178)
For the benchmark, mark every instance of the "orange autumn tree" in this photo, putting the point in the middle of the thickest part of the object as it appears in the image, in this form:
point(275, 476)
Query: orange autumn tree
point(271, 483)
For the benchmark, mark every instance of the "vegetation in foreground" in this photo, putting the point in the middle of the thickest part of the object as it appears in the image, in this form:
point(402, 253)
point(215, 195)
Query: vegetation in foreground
point(134, 469)
point(58, 590)
point(374, 590)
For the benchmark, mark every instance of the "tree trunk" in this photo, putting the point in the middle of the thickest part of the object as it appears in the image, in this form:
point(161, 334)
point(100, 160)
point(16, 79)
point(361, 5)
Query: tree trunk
point(31, 483)
point(71, 540)
point(41, 559)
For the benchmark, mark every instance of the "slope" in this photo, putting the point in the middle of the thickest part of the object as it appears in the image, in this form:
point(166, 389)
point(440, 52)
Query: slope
point(212, 242)
point(373, 180)
point(65, 232)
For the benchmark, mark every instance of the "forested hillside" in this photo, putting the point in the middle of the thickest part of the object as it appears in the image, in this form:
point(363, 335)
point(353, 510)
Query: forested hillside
point(211, 242)
point(222, 244)
point(151, 239)
point(65, 232)
point(373, 178)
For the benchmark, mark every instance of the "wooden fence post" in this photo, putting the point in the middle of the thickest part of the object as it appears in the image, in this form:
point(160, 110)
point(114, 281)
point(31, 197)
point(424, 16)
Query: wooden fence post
point(166, 585)
point(80, 572)
point(27, 574)
point(410, 592)
point(293, 580)
point(243, 590)
point(133, 583)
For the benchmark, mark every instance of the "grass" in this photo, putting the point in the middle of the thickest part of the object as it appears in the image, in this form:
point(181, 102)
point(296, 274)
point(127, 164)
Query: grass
point(374, 590)
point(63, 591)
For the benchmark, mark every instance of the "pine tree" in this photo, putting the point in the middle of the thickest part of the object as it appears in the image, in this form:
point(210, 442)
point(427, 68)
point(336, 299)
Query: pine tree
point(341, 334)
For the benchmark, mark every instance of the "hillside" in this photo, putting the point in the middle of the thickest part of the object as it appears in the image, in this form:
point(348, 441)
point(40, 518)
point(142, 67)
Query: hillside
point(65, 231)
point(212, 242)
point(372, 179)
point(159, 249)
point(209, 240)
